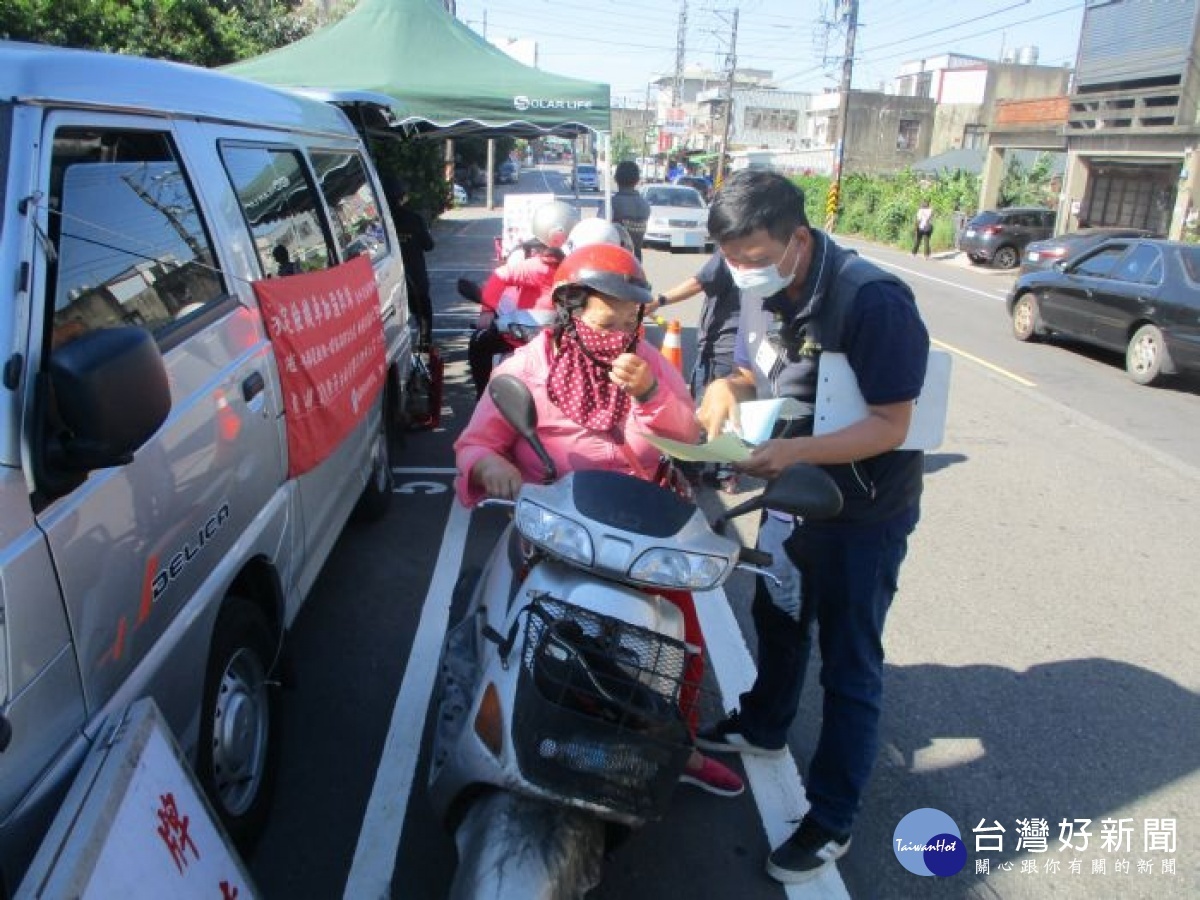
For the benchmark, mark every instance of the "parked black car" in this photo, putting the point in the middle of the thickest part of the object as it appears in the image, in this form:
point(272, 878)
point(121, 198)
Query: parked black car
point(1000, 236)
point(1043, 254)
point(1141, 297)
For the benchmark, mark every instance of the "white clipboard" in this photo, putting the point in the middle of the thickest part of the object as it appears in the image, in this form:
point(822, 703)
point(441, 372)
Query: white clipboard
point(840, 403)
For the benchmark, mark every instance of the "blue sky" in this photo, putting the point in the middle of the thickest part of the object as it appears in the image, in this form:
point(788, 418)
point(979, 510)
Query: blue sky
point(629, 43)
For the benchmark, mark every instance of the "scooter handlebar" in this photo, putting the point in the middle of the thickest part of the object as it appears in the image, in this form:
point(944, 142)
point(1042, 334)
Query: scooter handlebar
point(754, 557)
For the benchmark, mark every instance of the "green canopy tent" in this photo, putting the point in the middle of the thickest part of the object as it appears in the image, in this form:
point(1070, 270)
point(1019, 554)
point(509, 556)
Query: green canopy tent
point(413, 65)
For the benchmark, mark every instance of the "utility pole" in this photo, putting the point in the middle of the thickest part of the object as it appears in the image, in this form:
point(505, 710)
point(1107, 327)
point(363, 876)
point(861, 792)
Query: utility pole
point(839, 154)
point(731, 77)
point(680, 47)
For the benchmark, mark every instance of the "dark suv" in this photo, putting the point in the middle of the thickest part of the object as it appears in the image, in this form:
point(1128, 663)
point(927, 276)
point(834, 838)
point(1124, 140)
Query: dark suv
point(999, 236)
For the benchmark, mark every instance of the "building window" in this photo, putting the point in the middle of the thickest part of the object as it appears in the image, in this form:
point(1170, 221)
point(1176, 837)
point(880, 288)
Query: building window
point(924, 84)
point(973, 137)
point(760, 118)
point(907, 134)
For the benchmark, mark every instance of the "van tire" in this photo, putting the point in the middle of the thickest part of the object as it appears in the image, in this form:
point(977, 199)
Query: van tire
point(237, 756)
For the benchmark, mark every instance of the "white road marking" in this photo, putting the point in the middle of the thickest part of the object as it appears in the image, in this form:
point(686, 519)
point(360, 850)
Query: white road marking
point(776, 784)
point(379, 838)
point(962, 353)
point(920, 274)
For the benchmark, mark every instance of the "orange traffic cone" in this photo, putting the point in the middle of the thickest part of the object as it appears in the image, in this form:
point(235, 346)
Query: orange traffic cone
point(672, 345)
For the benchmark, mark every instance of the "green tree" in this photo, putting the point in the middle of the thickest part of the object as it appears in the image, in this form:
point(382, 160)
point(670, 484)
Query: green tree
point(622, 148)
point(196, 31)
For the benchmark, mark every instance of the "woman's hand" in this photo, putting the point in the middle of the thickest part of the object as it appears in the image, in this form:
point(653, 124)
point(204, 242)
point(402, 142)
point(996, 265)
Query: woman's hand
point(632, 374)
point(497, 477)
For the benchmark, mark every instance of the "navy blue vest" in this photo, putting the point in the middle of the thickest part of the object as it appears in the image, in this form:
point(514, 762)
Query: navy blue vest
point(874, 489)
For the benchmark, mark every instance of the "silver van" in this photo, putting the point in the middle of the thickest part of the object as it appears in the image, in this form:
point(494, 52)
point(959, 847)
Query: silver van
point(152, 541)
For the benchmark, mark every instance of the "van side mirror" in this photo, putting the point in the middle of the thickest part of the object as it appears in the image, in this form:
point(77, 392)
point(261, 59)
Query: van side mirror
point(109, 395)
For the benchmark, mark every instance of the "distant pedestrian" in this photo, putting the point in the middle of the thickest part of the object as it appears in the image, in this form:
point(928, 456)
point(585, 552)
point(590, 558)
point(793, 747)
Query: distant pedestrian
point(629, 208)
point(923, 228)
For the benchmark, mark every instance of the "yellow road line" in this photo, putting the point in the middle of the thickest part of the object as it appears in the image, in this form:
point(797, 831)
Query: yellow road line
point(983, 362)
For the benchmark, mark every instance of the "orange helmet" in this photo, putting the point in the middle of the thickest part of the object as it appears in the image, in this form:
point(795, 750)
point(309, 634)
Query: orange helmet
point(606, 269)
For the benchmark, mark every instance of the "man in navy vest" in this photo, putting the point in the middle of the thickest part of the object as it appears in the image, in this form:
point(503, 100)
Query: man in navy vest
point(802, 295)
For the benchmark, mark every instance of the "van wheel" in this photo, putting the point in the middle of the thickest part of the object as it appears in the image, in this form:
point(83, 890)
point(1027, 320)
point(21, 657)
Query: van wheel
point(239, 723)
point(1146, 358)
point(377, 494)
point(1006, 258)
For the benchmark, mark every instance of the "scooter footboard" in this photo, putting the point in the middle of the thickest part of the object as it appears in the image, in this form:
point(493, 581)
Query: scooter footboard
point(597, 713)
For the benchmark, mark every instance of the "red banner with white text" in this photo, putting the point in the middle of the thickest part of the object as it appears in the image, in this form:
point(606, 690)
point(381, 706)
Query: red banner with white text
point(328, 339)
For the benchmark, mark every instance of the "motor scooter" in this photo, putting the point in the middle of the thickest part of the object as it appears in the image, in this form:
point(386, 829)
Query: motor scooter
point(558, 719)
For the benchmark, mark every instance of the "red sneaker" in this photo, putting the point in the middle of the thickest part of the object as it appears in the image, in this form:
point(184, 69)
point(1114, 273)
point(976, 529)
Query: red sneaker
point(714, 777)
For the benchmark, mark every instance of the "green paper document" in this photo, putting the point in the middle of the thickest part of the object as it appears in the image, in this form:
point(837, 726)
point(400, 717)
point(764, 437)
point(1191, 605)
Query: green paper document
point(728, 448)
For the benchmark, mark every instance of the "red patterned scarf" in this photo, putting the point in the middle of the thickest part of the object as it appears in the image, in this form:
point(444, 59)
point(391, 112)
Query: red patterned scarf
point(579, 384)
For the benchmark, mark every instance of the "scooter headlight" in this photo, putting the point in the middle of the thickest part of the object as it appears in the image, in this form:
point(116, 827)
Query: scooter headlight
point(554, 533)
point(678, 569)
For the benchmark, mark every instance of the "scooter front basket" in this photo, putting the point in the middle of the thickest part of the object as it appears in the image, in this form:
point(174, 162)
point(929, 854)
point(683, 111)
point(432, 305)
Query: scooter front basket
point(597, 713)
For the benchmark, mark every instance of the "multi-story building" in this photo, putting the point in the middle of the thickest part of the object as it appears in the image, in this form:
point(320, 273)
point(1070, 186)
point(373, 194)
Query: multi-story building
point(966, 90)
point(1130, 125)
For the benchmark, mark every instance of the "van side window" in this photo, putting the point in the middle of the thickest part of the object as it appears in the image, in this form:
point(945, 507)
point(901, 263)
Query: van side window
point(281, 207)
point(357, 225)
point(132, 248)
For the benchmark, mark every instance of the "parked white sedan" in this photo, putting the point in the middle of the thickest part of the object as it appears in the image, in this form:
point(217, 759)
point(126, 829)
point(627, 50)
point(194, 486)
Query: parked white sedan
point(678, 217)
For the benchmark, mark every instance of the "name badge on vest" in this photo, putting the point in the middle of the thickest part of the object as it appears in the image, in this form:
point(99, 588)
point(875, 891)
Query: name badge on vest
point(765, 358)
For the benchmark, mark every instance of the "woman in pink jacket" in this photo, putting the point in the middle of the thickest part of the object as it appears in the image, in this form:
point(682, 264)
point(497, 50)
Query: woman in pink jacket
point(598, 392)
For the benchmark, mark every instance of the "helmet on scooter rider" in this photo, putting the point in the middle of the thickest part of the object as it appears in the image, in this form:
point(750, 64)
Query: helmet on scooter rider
point(592, 231)
point(552, 223)
point(597, 231)
point(604, 268)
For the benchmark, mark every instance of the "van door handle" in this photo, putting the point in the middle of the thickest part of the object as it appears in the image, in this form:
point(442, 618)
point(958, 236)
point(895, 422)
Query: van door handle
point(253, 386)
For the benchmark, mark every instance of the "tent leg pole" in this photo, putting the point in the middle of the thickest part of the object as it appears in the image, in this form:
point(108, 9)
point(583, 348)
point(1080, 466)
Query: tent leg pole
point(491, 173)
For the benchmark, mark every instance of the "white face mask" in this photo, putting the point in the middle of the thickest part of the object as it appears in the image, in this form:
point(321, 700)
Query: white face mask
point(766, 281)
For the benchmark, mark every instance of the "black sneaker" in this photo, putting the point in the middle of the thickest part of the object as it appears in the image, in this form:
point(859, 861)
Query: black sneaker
point(807, 853)
point(726, 737)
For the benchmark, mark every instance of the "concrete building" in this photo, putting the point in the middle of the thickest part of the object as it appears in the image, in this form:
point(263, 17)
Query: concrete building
point(692, 123)
point(967, 89)
point(1130, 126)
point(884, 132)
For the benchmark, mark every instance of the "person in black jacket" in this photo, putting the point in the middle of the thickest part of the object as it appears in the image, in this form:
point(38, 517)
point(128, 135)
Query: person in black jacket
point(801, 296)
point(415, 242)
point(629, 208)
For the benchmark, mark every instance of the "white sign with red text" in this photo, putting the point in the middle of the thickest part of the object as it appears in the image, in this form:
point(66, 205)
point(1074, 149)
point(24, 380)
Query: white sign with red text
point(134, 825)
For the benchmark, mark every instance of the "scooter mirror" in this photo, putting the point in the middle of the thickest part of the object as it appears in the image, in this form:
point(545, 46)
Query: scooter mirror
point(805, 491)
point(801, 490)
point(469, 290)
point(515, 403)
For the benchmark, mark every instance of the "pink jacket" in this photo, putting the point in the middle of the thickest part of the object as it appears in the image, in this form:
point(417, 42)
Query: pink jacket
point(533, 278)
point(668, 413)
